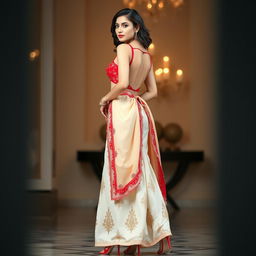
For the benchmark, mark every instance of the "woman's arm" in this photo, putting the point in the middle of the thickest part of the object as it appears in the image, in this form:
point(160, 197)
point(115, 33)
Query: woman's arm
point(150, 83)
point(114, 92)
point(123, 52)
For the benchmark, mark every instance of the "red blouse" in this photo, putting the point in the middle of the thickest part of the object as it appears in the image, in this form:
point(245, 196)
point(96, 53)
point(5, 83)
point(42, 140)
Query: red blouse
point(112, 69)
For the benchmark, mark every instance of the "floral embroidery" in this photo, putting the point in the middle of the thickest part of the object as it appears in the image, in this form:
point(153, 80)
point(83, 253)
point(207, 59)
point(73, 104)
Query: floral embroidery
point(131, 221)
point(108, 221)
point(121, 191)
point(117, 236)
point(117, 192)
point(112, 72)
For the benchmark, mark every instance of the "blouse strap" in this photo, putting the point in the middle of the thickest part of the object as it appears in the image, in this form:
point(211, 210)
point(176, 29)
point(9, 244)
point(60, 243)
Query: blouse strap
point(132, 55)
point(151, 62)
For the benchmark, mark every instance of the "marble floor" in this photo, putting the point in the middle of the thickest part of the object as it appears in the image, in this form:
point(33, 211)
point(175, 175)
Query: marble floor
point(72, 234)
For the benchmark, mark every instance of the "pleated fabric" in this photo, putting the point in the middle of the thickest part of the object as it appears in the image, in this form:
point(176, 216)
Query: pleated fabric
point(141, 217)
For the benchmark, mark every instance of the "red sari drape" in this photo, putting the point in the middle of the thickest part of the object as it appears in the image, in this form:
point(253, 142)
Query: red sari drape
point(124, 145)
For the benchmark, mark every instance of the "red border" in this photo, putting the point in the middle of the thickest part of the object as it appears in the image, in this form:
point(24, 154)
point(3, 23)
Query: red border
point(118, 193)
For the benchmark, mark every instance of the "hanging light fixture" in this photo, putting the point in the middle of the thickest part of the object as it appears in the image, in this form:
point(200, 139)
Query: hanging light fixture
point(153, 7)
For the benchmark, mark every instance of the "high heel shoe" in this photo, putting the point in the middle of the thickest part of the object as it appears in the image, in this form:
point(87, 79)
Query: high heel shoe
point(108, 249)
point(163, 250)
point(132, 249)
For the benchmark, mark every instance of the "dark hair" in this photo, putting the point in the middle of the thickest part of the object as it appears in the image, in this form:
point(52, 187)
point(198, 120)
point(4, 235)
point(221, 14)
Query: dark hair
point(143, 34)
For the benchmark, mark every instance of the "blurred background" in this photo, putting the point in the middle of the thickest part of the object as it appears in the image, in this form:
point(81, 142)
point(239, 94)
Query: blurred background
point(54, 65)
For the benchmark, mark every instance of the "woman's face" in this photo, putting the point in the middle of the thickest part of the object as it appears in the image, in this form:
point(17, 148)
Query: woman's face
point(125, 28)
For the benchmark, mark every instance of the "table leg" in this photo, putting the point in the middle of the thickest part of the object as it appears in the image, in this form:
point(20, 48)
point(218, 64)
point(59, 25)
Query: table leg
point(175, 179)
point(97, 165)
point(172, 202)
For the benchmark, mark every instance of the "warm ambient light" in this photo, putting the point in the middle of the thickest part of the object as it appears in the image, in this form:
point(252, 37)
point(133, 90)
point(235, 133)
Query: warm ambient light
point(161, 5)
point(151, 48)
point(177, 3)
point(166, 62)
point(34, 54)
point(166, 58)
point(179, 72)
point(159, 71)
point(179, 76)
point(166, 70)
point(153, 7)
point(128, 3)
point(166, 74)
point(158, 74)
point(149, 5)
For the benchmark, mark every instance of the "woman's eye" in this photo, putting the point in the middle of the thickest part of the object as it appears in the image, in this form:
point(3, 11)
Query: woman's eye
point(126, 25)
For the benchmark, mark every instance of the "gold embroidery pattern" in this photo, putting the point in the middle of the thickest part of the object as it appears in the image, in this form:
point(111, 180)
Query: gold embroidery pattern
point(164, 211)
point(108, 221)
point(117, 236)
point(131, 221)
point(145, 242)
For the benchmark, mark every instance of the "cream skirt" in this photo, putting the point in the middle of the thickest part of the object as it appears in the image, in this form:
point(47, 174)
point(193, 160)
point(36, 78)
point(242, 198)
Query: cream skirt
point(140, 217)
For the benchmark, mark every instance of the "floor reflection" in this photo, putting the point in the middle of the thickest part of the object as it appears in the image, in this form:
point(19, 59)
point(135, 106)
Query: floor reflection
point(72, 233)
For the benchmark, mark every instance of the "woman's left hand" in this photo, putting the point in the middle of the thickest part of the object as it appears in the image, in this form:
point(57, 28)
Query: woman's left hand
point(103, 110)
point(103, 102)
point(103, 107)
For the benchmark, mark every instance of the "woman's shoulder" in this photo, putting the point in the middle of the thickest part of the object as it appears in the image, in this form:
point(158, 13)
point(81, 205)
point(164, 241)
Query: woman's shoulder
point(123, 46)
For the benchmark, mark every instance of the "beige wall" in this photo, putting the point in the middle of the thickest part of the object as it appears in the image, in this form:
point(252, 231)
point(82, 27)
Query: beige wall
point(84, 49)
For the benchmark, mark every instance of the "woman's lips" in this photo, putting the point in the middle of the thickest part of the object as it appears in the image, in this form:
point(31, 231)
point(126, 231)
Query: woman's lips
point(120, 35)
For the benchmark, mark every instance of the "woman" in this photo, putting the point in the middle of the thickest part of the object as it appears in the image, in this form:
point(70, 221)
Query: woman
point(132, 202)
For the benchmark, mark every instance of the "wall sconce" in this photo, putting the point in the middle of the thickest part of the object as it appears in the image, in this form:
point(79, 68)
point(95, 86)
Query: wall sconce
point(163, 74)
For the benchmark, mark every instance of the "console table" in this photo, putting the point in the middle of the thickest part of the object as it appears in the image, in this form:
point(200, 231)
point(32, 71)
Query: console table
point(184, 158)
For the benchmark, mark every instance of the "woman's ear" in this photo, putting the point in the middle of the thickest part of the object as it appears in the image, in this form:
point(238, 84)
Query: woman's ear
point(137, 28)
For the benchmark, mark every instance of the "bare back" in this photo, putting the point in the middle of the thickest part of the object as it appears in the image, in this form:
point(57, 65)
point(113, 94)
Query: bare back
point(140, 66)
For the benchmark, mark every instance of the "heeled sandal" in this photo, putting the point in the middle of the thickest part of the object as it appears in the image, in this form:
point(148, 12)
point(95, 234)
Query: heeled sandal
point(108, 249)
point(161, 249)
point(132, 249)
